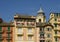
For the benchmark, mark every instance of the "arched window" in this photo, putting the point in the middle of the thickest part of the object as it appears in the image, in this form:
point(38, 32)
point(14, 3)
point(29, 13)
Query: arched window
point(39, 20)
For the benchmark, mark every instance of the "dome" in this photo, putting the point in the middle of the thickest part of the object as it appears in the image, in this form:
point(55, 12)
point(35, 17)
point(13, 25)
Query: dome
point(40, 10)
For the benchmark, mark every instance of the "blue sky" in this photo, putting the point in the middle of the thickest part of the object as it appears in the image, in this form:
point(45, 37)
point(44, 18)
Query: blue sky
point(8, 8)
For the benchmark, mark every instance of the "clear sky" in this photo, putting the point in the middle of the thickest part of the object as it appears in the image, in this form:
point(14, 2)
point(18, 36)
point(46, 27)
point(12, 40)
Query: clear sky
point(8, 8)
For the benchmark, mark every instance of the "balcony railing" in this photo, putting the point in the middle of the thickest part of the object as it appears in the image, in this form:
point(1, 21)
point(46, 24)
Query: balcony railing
point(30, 41)
point(30, 33)
point(25, 25)
point(20, 33)
point(42, 38)
point(57, 35)
point(25, 41)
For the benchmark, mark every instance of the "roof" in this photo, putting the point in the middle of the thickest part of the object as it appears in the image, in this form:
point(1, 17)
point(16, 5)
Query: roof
point(54, 13)
point(40, 10)
point(24, 16)
point(3, 23)
point(6, 24)
point(44, 24)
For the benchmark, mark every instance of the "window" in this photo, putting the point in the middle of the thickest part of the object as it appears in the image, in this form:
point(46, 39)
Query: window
point(8, 28)
point(55, 32)
point(42, 40)
point(29, 30)
point(39, 20)
point(48, 40)
point(48, 35)
point(41, 29)
point(29, 37)
point(48, 29)
point(56, 39)
point(57, 14)
point(19, 30)
point(55, 19)
point(55, 25)
point(20, 37)
point(41, 34)
point(0, 28)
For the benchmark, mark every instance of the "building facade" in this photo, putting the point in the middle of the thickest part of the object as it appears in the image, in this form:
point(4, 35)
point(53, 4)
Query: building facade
point(55, 21)
point(25, 28)
point(6, 31)
point(35, 28)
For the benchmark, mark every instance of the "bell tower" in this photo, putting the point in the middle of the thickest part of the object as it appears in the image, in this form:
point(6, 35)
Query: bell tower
point(40, 16)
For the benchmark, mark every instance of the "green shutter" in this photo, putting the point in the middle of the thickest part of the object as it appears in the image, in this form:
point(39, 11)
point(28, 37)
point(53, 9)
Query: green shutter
point(0, 28)
point(8, 28)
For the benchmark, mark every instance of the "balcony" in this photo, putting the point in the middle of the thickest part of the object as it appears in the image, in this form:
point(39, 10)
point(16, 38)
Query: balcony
point(56, 35)
point(19, 33)
point(58, 28)
point(20, 24)
point(27, 24)
point(31, 24)
point(25, 41)
point(30, 41)
point(30, 33)
point(42, 38)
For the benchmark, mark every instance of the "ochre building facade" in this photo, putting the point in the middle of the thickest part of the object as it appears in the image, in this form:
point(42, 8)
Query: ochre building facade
point(25, 28)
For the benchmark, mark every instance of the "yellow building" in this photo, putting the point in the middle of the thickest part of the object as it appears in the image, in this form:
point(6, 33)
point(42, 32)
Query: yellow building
point(25, 27)
point(35, 28)
point(44, 29)
point(55, 21)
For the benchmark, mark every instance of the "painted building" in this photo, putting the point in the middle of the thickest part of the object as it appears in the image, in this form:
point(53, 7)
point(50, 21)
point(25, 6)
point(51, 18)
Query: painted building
point(25, 28)
point(55, 21)
point(6, 31)
point(33, 28)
